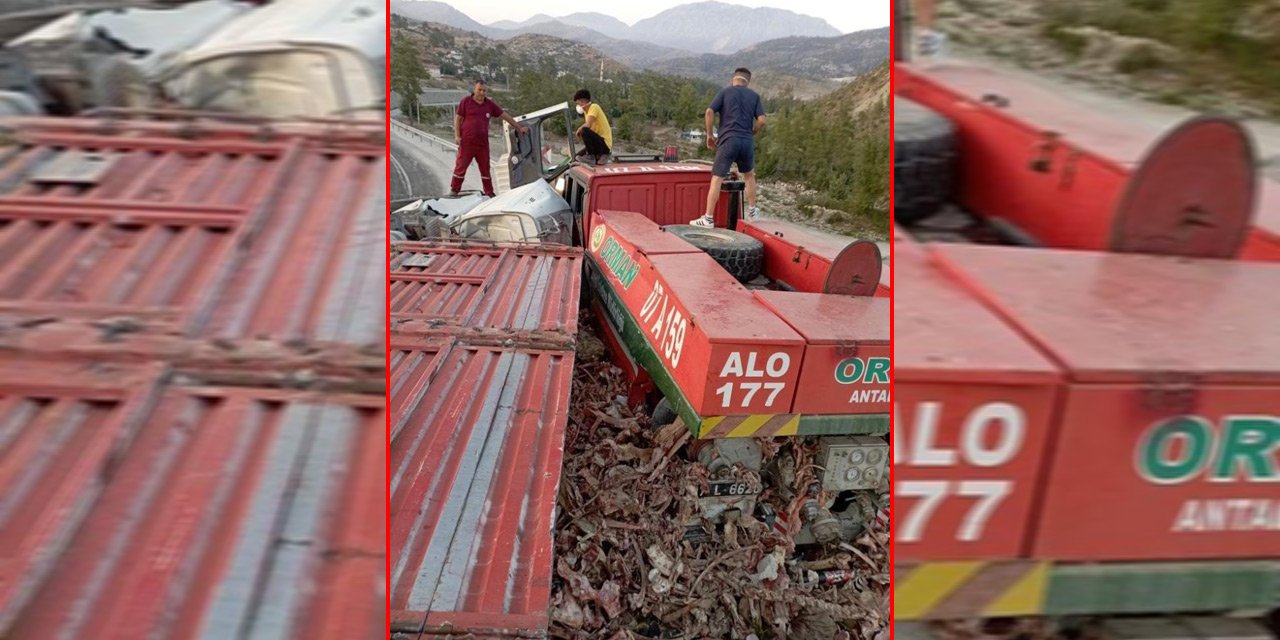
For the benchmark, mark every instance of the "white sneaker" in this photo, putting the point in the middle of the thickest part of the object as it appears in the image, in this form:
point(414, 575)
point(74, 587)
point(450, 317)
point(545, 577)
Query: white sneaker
point(704, 221)
point(753, 213)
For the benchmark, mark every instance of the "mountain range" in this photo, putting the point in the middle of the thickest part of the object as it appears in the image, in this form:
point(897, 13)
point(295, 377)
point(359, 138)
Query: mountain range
point(697, 28)
point(814, 58)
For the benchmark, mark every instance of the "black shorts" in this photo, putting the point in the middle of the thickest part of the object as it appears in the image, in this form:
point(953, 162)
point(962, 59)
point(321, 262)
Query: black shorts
point(735, 149)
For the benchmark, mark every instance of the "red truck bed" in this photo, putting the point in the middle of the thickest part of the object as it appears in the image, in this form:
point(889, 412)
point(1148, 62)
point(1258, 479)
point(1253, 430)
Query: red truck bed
point(482, 364)
point(191, 396)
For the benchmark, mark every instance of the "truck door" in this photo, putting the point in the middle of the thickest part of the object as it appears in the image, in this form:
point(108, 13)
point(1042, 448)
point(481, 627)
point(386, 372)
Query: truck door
point(545, 151)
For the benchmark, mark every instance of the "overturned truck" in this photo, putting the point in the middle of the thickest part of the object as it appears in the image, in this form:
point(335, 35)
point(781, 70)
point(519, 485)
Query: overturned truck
point(1087, 366)
point(750, 331)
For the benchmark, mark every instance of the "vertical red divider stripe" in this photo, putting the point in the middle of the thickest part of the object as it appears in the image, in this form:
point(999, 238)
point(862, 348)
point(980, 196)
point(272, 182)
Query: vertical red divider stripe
point(897, 285)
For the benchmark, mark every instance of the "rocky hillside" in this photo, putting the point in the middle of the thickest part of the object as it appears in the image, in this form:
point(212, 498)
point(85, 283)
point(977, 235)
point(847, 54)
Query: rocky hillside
point(632, 53)
point(438, 12)
point(1212, 55)
point(837, 145)
point(598, 22)
point(716, 27)
point(863, 94)
point(538, 50)
point(467, 54)
point(842, 56)
point(702, 27)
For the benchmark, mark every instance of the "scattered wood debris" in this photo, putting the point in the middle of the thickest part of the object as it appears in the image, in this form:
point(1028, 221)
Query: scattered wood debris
point(626, 568)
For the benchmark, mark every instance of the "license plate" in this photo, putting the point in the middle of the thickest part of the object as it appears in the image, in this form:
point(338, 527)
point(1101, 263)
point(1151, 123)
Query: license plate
point(729, 488)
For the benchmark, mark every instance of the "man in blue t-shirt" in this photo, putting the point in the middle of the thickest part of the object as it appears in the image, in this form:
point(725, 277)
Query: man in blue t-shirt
point(741, 117)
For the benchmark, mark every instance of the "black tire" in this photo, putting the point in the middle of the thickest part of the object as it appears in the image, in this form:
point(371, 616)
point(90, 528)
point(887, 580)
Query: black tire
point(663, 414)
point(740, 254)
point(924, 161)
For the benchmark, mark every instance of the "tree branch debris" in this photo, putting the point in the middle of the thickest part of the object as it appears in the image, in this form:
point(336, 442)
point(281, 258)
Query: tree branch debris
point(625, 568)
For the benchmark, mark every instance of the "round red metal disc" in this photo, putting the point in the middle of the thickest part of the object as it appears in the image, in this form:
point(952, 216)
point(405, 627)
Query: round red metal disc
point(855, 271)
point(1193, 195)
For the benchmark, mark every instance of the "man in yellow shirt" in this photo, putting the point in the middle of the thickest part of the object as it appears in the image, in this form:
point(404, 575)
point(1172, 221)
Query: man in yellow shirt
point(597, 137)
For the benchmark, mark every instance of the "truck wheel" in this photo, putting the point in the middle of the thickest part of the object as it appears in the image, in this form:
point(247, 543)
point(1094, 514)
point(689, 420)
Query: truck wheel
point(663, 414)
point(924, 161)
point(740, 254)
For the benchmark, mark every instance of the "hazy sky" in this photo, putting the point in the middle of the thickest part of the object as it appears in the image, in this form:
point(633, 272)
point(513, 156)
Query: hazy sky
point(847, 16)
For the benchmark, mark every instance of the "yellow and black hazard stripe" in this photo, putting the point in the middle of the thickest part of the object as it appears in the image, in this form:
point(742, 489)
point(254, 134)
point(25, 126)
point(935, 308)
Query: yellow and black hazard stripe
point(956, 590)
point(750, 426)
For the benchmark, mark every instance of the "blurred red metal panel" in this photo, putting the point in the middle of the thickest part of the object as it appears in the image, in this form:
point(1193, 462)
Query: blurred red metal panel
point(318, 274)
point(1152, 346)
point(521, 288)
point(60, 428)
point(962, 379)
point(226, 511)
point(481, 370)
point(475, 470)
point(140, 232)
point(148, 253)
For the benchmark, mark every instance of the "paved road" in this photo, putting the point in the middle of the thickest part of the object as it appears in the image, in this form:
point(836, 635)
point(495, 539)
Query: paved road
point(409, 177)
point(425, 170)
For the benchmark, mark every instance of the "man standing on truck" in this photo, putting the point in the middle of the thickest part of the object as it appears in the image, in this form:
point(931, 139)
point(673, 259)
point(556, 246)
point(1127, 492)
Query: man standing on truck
point(471, 133)
point(597, 136)
point(741, 118)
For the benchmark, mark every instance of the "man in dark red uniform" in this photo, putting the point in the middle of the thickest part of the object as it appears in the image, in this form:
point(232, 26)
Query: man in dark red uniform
point(471, 132)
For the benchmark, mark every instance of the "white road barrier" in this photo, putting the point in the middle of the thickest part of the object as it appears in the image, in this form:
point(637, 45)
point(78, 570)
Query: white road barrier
point(435, 145)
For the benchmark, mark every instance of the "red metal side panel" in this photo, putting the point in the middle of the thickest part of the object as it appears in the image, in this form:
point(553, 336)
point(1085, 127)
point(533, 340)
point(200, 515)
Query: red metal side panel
point(60, 423)
point(138, 500)
point(475, 471)
point(999, 149)
point(1182, 487)
point(526, 288)
point(317, 274)
point(846, 367)
point(667, 193)
point(1171, 425)
point(151, 236)
point(214, 510)
point(801, 257)
point(710, 333)
point(974, 408)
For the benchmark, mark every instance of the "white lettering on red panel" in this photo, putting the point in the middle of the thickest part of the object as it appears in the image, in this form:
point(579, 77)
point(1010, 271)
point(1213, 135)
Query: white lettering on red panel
point(665, 323)
point(755, 368)
point(991, 436)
